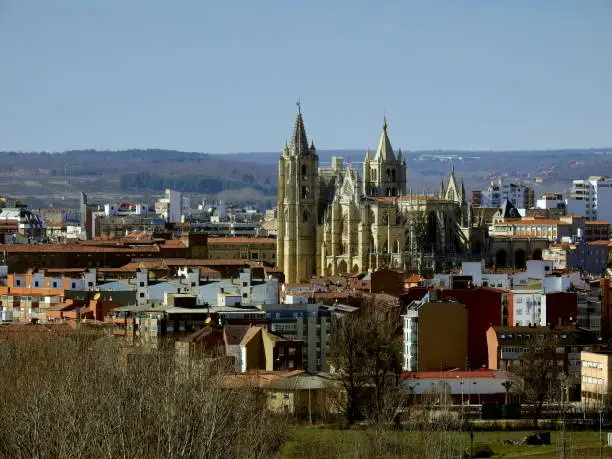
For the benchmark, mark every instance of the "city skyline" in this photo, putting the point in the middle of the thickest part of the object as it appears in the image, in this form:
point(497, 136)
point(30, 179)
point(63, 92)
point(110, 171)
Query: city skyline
point(222, 78)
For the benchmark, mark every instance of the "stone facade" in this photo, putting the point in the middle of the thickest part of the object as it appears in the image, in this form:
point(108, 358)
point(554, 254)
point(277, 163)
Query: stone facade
point(334, 221)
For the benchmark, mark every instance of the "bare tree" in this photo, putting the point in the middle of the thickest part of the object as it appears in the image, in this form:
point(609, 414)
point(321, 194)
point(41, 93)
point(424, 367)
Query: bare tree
point(78, 397)
point(538, 375)
point(365, 352)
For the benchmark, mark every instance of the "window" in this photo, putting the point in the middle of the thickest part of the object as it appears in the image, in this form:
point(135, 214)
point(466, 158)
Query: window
point(142, 284)
point(35, 283)
point(291, 365)
point(244, 295)
point(291, 351)
point(90, 284)
point(74, 285)
point(244, 284)
point(54, 284)
point(18, 282)
point(141, 294)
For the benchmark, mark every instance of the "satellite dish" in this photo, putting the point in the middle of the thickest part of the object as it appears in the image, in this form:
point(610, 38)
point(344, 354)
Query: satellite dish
point(208, 320)
point(97, 296)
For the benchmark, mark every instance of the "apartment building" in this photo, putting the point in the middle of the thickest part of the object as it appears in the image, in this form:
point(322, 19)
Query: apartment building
point(549, 201)
point(550, 230)
point(588, 257)
point(564, 345)
point(527, 307)
point(435, 336)
point(596, 230)
point(521, 196)
point(310, 323)
point(596, 378)
point(592, 198)
point(485, 306)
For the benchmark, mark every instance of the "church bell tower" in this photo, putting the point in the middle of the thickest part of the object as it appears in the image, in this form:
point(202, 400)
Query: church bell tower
point(297, 211)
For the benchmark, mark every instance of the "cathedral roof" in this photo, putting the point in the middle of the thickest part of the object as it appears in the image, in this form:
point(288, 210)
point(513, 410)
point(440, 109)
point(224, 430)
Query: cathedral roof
point(384, 150)
point(299, 142)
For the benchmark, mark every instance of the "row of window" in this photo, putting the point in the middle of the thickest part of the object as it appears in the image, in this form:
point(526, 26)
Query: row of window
point(54, 284)
point(588, 364)
point(591, 380)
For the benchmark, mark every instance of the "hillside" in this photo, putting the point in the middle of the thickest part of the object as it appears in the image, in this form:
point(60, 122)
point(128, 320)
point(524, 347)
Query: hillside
point(55, 179)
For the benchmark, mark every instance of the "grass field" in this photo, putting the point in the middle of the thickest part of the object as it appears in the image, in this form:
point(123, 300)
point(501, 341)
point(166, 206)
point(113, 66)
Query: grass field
point(305, 442)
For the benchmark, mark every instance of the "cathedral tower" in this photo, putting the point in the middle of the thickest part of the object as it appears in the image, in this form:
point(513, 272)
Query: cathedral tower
point(298, 195)
point(385, 174)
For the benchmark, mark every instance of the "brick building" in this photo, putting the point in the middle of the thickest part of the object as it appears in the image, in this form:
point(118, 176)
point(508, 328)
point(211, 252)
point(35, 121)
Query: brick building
point(102, 253)
point(485, 307)
point(249, 248)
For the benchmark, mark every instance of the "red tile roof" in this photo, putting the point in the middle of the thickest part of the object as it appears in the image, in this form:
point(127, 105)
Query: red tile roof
point(241, 240)
point(537, 221)
point(481, 373)
point(597, 222)
point(74, 248)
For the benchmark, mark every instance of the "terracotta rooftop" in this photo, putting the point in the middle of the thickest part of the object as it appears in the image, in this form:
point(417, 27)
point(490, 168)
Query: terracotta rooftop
point(597, 222)
point(173, 243)
point(241, 240)
point(536, 221)
point(608, 243)
point(413, 278)
point(74, 248)
point(180, 262)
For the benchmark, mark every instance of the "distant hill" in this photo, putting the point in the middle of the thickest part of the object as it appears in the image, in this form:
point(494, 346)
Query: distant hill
point(56, 178)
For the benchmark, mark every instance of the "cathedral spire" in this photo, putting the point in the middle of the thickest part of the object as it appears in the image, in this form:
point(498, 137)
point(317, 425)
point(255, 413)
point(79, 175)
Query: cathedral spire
point(384, 151)
point(299, 142)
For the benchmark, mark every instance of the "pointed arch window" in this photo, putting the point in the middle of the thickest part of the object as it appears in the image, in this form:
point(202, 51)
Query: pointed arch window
point(304, 170)
point(305, 216)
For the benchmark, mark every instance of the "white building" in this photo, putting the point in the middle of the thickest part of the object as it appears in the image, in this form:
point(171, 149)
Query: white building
point(591, 198)
point(520, 196)
point(172, 206)
point(529, 308)
point(125, 208)
point(538, 271)
point(550, 201)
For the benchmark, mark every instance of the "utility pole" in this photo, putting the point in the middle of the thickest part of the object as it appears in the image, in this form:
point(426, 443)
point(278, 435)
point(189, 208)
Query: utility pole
point(309, 407)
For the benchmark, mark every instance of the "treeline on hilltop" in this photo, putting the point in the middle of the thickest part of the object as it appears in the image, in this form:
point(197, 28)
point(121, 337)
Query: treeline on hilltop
point(192, 183)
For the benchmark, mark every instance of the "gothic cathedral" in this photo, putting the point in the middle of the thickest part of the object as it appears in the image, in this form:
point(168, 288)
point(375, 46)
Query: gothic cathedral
point(331, 221)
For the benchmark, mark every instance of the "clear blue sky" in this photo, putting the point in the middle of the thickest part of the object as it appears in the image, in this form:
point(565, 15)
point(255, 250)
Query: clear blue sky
point(224, 76)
